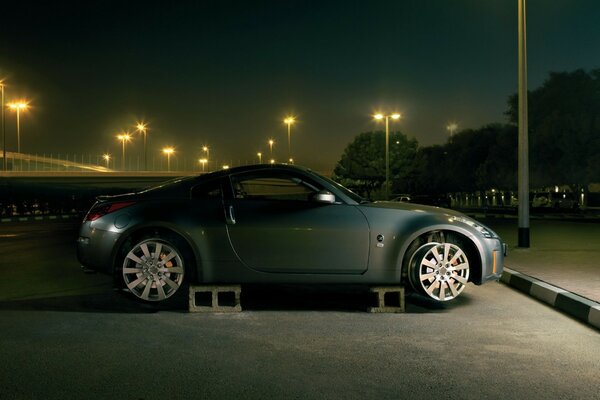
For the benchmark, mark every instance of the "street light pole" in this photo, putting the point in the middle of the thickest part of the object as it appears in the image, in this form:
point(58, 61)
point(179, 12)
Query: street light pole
point(4, 163)
point(289, 121)
point(168, 151)
point(394, 116)
point(123, 138)
point(207, 151)
point(452, 127)
point(523, 151)
point(142, 127)
point(259, 157)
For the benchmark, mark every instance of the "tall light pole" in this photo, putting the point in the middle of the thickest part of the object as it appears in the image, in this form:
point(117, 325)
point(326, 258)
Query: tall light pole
point(107, 159)
point(379, 117)
point(289, 121)
point(523, 150)
point(143, 128)
point(452, 127)
point(203, 162)
point(124, 137)
point(271, 141)
point(18, 106)
point(259, 154)
point(4, 163)
point(207, 151)
point(168, 151)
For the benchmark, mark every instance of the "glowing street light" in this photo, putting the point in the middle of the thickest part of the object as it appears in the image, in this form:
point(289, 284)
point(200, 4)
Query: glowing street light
point(168, 151)
point(272, 161)
point(291, 160)
point(207, 151)
point(271, 142)
point(225, 166)
point(143, 128)
point(380, 117)
point(452, 127)
point(5, 165)
point(124, 137)
point(259, 154)
point(203, 162)
point(18, 106)
point(289, 121)
point(107, 159)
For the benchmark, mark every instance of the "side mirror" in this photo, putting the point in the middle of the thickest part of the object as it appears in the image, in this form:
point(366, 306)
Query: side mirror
point(324, 196)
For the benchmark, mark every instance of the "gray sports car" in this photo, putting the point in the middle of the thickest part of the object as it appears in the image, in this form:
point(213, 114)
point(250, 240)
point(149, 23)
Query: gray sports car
point(281, 224)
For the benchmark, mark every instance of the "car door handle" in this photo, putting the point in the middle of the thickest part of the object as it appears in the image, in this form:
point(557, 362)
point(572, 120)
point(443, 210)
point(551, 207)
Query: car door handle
point(230, 215)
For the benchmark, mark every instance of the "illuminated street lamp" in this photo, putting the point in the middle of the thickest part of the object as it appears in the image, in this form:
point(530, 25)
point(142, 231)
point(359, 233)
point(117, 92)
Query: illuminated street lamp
point(272, 161)
point(207, 151)
point(271, 142)
point(5, 165)
point(18, 106)
point(380, 117)
point(291, 160)
point(168, 151)
point(143, 128)
point(203, 162)
point(452, 127)
point(107, 159)
point(259, 157)
point(289, 121)
point(225, 166)
point(124, 137)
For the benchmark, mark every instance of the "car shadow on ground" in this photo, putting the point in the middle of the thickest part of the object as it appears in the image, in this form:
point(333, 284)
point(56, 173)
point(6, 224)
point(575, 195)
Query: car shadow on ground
point(263, 298)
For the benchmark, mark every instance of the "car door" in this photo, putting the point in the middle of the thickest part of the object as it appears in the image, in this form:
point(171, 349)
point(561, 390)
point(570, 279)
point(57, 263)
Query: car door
point(275, 225)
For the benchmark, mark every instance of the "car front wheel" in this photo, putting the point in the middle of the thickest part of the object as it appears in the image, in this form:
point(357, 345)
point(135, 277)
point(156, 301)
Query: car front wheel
point(153, 269)
point(439, 270)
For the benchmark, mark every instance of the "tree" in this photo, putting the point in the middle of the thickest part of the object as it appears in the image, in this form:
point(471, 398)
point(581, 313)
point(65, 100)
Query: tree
point(564, 128)
point(362, 166)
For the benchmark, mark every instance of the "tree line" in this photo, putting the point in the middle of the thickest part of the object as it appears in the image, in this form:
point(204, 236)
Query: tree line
point(564, 147)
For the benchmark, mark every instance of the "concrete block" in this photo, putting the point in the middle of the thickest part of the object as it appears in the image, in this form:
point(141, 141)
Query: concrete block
point(215, 298)
point(390, 299)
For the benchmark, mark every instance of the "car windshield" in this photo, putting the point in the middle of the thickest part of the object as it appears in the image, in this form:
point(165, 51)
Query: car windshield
point(343, 189)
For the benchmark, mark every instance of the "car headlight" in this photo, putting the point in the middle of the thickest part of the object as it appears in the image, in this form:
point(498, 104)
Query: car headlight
point(485, 232)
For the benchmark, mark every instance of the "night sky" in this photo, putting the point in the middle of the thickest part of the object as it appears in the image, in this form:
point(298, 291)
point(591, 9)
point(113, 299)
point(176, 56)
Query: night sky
point(226, 73)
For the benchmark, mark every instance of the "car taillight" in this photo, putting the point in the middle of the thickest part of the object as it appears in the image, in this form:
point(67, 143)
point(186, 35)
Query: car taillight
point(101, 209)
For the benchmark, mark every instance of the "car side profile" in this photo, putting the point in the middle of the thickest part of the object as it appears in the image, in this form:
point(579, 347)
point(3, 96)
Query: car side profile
point(281, 224)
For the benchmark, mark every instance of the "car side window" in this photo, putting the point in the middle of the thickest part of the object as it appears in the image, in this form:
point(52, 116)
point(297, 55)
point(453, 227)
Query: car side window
point(277, 187)
point(209, 190)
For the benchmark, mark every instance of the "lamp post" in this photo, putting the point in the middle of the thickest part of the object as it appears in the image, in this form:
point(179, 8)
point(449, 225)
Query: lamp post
point(107, 159)
point(4, 163)
point(18, 106)
point(207, 151)
point(523, 146)
point(271, 142)
point(143, 128)
point(203, 162)
point(289, 121)
point(124, 137)
point(259, 157)
point(379, 117)
point(168, 151)
point(452, 127)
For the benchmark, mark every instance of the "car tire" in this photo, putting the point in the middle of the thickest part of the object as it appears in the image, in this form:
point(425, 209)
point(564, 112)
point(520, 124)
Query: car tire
point(439, 270)
point(154, 269)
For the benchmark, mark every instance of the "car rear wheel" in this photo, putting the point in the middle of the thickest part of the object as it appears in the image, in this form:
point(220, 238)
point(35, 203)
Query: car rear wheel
point(154, 269)
point(439, 270)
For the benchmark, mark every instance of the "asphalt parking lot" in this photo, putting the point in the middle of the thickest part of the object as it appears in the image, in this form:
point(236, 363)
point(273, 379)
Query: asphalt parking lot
point(69, 335)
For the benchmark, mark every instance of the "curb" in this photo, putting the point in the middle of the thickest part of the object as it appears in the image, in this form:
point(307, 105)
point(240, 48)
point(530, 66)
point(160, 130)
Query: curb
point(576, 306)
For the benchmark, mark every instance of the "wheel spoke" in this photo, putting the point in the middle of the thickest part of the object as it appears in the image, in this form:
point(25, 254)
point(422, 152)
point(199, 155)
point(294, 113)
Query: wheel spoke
point(458, 254)
point(442, 294)
point(134, 258)
point(431, 288)
point(446, 251)
point(131, 270)
point(168, 258)
point(461, 267)
point(429, 263)
point(176, 270)
point(435, 253)
point(453, 289)
point(460, 279)
point(144, 247)
point(146, 291)
point(161, 291)
point(132, 285)
point(428, 276)
point(157, 251)
point(169, 282)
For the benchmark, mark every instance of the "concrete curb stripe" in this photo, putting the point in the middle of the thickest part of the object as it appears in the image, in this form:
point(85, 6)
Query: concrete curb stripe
point(576, 306)
point(594, 317)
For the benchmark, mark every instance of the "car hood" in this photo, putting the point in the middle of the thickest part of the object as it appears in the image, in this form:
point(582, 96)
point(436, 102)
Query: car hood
point(395, 205)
